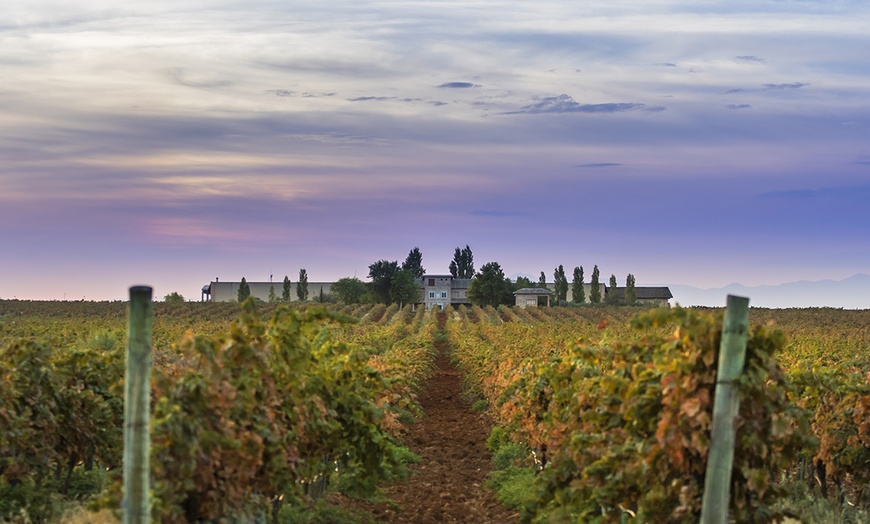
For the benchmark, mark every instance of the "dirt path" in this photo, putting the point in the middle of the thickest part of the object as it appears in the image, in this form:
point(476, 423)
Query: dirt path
point(448, 483)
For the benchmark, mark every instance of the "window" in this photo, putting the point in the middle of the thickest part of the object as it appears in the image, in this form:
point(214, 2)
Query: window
point(431, 282)
point(431, 294)
point(443, 294)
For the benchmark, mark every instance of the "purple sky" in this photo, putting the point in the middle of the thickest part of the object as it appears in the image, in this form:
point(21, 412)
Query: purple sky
point(172, 142)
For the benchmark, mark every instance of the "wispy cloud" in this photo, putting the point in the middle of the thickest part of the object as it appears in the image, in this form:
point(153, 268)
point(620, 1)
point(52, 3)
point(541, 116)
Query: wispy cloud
point(456, 85)
point(565, 104)
point(739, 106)
point(599, 164)
point(496, 213)
point(792, 85)
point(750, 58)
point(855, 191)
point(288, 93)
point(665, 64)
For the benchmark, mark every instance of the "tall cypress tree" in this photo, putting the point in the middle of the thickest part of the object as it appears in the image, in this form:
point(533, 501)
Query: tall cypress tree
point(578, 294)
point(302, 286)
point(285, 291)
point(561, 283)
point(630, 291)
point(595, 292)
point(612, 297)
point(244, 290)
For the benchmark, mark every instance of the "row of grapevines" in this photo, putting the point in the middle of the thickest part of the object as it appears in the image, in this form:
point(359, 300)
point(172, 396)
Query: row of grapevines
point(247, 413)
point(621, 414)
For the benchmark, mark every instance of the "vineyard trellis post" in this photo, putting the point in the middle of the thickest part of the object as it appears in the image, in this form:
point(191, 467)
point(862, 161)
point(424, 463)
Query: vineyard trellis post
point(732, 355)
point(136, 505)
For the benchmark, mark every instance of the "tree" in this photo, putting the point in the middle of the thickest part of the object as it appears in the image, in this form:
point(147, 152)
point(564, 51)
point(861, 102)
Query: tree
point(272, 296)
point(490, 287)
point(542, 280)
point(523, 282)
point(578, 294)
point(285, 291)
point(244, 290)
point(349, 290)
point(595, 292)
point(612, 296)
point(630, 291)
point(404, 288)
point(561, 284)
point(174, 298)
point(302, 286)
point(414, 263)
point(382, 273)
point(462, 265)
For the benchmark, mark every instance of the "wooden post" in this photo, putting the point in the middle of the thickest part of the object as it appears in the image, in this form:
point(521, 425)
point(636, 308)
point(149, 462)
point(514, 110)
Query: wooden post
point(726, 405)
point(136, 505)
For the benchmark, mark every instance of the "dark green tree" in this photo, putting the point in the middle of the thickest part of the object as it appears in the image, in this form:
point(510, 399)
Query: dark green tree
point(272, 296)
point(462, 265)
point(612, 296)
point(595, 292)
point(174, 298)
point(630, 291)
point(578, 294)
point(561, 284)
point(523, 282)
point(302, 285)
point(490, 287)
point(244, 290)
point(285, 291)
point(349, 290)
point(382, 273)
point(414, 263)
point(404, 288)
point(542, 280)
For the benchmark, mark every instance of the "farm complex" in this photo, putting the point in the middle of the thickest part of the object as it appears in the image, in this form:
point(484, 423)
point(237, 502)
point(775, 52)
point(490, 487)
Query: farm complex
point(434, 291)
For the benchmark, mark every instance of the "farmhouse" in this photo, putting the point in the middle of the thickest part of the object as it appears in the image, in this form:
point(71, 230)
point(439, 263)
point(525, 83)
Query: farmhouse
point(532, 297)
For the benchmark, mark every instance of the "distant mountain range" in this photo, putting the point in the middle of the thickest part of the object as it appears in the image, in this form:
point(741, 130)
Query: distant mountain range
point(849, 293)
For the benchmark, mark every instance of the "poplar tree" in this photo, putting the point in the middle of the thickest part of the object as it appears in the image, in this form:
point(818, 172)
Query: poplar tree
point(612, 297)
point(462, 265)
point(595, 293)
point(302, 286)
point(272, 296)
point(542, 280)
point(561, 284)
point(578, 294)
point(285, 291)
point(244, 290)
point(630, 291)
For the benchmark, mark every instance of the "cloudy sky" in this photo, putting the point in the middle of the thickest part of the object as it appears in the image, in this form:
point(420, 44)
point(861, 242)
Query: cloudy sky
point(169, 142)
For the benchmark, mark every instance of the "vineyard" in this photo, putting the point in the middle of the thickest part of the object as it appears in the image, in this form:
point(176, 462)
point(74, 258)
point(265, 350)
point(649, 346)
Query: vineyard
point(599, 414)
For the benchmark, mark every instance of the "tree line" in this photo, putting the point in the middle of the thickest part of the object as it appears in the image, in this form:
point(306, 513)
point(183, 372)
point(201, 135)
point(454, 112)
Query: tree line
point(301, 289)
point(392, 282)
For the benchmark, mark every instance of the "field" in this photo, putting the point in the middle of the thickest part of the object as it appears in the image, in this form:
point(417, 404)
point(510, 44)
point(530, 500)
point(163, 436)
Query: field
point(277, 413)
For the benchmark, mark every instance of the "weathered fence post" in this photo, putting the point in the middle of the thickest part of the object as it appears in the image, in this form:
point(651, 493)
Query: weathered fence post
point(726, 405)
point(136, 505)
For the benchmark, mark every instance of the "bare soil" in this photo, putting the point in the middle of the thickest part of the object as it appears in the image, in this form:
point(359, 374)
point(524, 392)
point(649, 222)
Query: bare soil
point(448, 483)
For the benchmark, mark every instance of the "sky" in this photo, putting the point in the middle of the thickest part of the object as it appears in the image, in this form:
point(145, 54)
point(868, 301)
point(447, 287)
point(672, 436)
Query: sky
point(172, 142)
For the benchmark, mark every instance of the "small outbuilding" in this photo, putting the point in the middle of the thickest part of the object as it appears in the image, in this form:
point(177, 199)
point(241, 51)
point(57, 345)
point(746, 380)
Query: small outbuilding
point(532, 297)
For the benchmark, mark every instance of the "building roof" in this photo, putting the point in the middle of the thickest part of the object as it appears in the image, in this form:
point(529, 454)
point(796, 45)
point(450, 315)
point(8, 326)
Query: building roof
point(645, 293)
point(533, 291)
